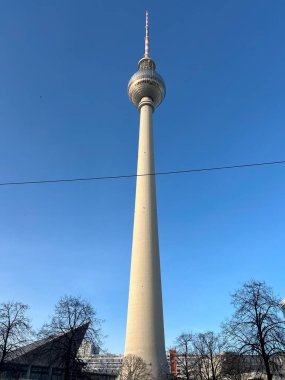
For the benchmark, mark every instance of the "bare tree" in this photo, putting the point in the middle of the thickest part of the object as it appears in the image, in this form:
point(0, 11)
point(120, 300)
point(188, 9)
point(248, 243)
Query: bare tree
point(15, 329)
point(184, 355)
point(134, 368)
point(199, 356)
point(73, 320)
point(256, 329)
point(208, 348)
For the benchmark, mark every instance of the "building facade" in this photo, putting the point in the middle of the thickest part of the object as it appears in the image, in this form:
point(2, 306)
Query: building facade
point(45, 359)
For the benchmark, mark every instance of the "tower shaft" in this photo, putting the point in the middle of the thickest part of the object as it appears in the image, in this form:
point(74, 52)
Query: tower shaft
point(145, 331)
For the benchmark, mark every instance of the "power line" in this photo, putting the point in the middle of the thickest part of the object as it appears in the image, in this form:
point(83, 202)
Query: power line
point(44, 181)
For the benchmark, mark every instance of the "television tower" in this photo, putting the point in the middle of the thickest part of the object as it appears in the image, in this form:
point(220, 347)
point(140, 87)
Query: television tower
point(145, 331)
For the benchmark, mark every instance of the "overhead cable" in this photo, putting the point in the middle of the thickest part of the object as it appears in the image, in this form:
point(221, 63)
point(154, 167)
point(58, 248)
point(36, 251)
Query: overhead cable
point(68, 180)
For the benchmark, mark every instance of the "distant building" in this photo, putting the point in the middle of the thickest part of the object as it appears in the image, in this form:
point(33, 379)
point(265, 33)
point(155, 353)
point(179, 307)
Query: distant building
point(282, 306)
point(87, 348)
point(229, 365)
point(103, 364)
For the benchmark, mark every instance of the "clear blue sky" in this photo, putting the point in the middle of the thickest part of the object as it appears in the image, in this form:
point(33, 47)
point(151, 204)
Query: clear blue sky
point(64, 112)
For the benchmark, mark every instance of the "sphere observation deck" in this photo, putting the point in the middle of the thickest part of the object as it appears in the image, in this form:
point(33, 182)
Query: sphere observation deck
point(146, 82)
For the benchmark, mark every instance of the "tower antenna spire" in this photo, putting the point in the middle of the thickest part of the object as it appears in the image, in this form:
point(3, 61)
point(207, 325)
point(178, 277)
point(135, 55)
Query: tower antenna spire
point(146, 36)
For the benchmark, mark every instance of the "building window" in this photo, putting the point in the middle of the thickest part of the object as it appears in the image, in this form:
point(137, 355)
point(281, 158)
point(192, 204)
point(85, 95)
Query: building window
point(56, 374)
point(39, 373)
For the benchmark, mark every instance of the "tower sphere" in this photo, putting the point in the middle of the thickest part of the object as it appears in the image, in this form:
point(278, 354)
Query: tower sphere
point(146, 82)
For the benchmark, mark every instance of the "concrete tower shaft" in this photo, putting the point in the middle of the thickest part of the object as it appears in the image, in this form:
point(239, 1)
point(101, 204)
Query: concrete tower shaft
point(145, 330)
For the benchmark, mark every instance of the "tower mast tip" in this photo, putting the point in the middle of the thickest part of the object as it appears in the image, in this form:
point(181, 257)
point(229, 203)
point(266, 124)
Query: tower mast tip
point(146, 36)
